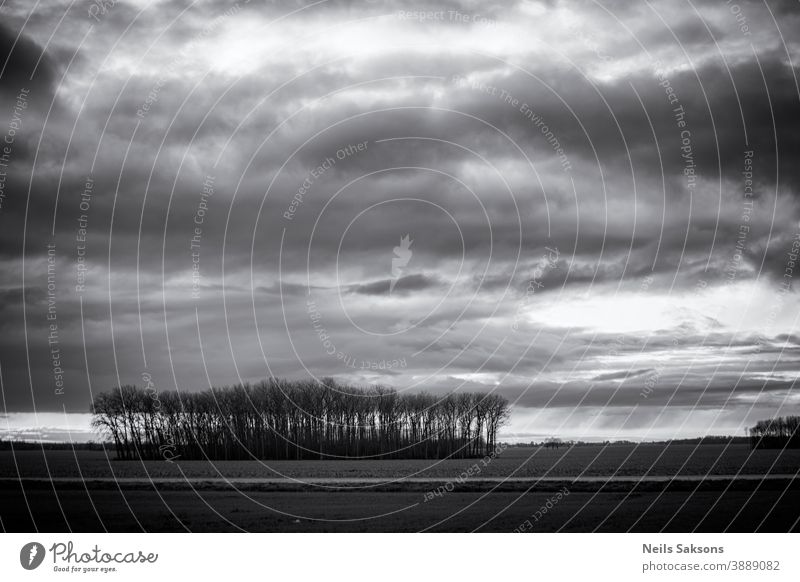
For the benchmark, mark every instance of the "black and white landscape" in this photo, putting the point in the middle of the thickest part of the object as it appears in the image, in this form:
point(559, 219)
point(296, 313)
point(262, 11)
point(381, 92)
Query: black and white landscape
point(393, 265)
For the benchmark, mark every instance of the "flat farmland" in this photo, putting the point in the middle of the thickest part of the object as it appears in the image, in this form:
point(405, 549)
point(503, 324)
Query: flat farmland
point(647, 488)
point(515, 462)
point(124, 510)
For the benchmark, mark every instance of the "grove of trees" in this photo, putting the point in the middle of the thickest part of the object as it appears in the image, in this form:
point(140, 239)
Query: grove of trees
point(280, 419)
point(776, 433)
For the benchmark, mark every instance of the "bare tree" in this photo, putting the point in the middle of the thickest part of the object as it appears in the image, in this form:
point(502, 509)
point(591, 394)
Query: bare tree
point(278, 419)
point(776, 433)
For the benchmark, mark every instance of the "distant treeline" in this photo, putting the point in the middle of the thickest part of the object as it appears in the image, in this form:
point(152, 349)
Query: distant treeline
point(705, 440)
point(16, 445)
point(776, 433)
point(280, 419)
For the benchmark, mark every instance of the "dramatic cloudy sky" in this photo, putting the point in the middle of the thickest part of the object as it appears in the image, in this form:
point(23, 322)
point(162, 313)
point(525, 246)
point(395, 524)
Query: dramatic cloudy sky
point(600, 200)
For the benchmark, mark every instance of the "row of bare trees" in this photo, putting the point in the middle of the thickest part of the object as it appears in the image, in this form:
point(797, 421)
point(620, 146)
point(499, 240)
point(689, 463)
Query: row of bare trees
point(776, 433)
point(279, 419)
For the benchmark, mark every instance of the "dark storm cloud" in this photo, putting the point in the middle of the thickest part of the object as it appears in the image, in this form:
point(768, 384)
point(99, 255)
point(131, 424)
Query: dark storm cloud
point(23, 64)
point(405, 285)
point(424, 150)
point(608, 121)
point(271, 296)
point(696, 393)
point(622, 375)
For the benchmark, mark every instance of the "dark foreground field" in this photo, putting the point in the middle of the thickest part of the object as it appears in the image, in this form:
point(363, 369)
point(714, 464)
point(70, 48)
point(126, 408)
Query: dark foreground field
point(620, 488)
point(583, 461)
point(140, 510)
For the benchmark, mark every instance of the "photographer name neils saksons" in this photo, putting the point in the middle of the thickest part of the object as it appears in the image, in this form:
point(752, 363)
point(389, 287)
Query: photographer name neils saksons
point(681, 549)
point(67, 555)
